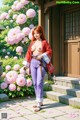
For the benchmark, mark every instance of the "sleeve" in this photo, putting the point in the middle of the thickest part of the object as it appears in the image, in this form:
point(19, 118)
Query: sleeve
point(48, 49)
point(48, 53)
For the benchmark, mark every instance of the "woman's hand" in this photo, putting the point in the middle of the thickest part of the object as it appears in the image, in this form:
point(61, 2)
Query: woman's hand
point(25, 67)
point(39, 57)
point(25, 63)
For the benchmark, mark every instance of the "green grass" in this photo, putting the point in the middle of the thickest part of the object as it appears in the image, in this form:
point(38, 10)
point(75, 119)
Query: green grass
point(78, 107)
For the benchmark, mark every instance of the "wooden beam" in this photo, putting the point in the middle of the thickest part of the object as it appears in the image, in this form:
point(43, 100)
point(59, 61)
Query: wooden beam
point(50, 4)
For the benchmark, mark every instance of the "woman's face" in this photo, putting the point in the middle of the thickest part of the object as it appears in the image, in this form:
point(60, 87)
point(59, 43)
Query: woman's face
point(37, 35)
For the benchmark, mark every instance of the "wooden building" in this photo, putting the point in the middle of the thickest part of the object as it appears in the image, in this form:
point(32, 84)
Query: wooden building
point(61, 23)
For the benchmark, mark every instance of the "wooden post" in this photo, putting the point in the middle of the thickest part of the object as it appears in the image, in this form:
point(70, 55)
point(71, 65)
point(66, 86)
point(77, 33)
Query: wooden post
point(41, 14)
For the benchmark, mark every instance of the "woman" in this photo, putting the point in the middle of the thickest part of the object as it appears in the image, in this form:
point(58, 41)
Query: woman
point(38, 52)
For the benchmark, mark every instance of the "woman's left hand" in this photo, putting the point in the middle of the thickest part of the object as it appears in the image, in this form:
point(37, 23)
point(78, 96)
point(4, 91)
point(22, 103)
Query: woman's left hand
point(39, 57)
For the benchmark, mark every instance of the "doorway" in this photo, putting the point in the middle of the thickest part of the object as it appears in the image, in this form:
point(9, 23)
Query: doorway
point(72, 43)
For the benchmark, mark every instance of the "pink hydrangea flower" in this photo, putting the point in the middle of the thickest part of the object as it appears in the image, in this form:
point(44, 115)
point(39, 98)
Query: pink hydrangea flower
point(10, 11)
point(15, 16)
point(22, 42)
point(13, 7)
point(4, 50)
point(7, 17)
point(5, 79)
point(3, 85)
point(16, 2)
point(26, 31)
point(12, 36)
point(30, 36)
point(25, 39)
point(21, 19)
point(11, 76)
point(3, 16)
point(6, 57)
point(16, 67)
point(12, 87)
point(28, 71)
point(10, 41)
point(19, 37)
point(7, 27)
point(8, 67)
point(24, 2)
point(15, 58)
point(29, 83)
point(8, 53)
point(22, 71)
point(31, 13)
point(21, 75)
point(13, 33)
point(18, 27)
point(11, 21)
point(18, 88)
point(23, 35)
point(21, 81)
point(19, 49)
point(3, 75)
point(19, 6)
point(31, 26)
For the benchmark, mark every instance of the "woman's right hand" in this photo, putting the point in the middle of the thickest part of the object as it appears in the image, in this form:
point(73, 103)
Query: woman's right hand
point(25, 67)
point(25, 63)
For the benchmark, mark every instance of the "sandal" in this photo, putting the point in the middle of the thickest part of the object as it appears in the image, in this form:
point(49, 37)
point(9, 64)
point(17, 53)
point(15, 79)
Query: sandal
point(35, 106)
point(37, 109)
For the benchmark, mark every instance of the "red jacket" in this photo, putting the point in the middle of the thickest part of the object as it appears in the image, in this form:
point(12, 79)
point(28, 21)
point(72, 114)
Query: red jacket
point(45, 48)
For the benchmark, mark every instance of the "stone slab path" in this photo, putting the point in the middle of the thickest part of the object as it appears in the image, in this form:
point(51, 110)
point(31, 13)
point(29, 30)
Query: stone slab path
point(22, 109)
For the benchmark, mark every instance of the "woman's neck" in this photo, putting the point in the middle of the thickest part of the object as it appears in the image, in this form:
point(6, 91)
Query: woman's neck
point(39, 39)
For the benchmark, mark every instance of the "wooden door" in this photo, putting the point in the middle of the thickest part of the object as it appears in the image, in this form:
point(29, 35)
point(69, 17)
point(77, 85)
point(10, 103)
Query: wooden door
point(72, 44)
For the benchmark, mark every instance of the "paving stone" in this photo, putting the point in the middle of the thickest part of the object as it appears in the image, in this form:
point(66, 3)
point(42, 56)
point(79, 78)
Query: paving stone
point(52, 110)
point(10, 114)
point(19, 118)
point(34, 117)
point(68, 117)
point(24, 112)
point(51, 119)
point(67, 109)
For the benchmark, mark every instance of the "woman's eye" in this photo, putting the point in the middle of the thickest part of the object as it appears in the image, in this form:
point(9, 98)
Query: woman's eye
point(36, 34)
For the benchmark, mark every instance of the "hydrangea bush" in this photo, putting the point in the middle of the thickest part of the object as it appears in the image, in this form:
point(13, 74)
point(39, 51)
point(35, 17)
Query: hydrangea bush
point(18, 17)
point(15, 80)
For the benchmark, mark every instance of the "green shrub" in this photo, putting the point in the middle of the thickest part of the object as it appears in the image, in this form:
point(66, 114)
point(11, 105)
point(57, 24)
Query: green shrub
point(25, 90)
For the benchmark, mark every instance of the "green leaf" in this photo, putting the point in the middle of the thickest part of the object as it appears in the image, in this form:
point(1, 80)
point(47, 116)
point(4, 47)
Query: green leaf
point(10, 94)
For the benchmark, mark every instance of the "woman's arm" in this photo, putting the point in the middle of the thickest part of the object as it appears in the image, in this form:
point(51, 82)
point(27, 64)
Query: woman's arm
point(48, 49)
point(48, 52)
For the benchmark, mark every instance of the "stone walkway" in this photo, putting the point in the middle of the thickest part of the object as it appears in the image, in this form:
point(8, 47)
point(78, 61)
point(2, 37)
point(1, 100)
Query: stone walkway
point(22, 109)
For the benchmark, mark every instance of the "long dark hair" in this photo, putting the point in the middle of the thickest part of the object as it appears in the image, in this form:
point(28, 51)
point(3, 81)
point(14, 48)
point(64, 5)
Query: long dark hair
point(39, 29)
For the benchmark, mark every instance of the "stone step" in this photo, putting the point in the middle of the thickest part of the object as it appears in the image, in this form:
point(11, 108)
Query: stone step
point(73, 101)
point(66, 90)
point(3, 97)
point(67, 81)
